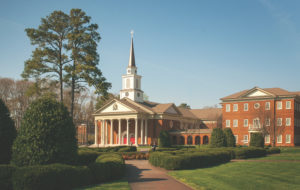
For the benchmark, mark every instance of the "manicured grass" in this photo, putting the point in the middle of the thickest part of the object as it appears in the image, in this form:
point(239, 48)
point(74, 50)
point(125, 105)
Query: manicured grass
point(114, 185)
point(243, 175)
point(292, 153)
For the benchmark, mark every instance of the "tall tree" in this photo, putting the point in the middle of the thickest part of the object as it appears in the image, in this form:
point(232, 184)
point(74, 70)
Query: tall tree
point(49, 57)
point(82, 41)
point(184, 105)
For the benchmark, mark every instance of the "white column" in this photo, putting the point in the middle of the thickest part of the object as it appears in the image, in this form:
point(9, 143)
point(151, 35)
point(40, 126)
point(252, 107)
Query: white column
point(119, 131)
point(128, 132)
point(106, 133)
point(146, 131)
point(102, 132)
point(96, 132)
point(142, 131)
point(136, 131)
point(111, 132)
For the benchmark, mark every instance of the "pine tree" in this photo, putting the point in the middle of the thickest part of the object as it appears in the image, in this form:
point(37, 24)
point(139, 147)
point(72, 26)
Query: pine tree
point(218, 138)
point(230, 140)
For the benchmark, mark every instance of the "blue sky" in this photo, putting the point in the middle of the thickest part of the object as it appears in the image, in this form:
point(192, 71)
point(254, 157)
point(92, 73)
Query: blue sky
point(189, 51)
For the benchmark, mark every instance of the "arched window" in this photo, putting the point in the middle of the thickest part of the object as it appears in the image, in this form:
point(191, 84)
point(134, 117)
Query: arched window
point(190, 140)
point(197, 140)
point(181, 142)
point(205, 140)
point(127, 83)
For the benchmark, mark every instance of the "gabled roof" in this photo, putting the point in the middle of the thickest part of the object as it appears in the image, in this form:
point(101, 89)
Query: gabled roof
point(187, 113)
point(207, 113)
point(269, 91)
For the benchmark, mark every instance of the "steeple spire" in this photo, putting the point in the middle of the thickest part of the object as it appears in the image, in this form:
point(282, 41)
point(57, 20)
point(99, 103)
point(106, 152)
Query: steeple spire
point(131, 55)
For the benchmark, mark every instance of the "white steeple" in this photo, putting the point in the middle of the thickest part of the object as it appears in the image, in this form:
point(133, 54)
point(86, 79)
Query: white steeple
point(131, 82)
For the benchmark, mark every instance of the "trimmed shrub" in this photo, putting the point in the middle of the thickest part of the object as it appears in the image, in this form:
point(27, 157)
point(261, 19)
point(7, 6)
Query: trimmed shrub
point(135, 155)
point(6, 172)
point(86, 157)
point(107, 167)
point(47, 135)
point(49, 177)
point(257, 140)
point(112, 149)
point(164, 139)
point(249, 152)
point(230, 140)
point(188, 160)
point(273, 150)
point(127, 149)
point(218, 138)
point(7, 134)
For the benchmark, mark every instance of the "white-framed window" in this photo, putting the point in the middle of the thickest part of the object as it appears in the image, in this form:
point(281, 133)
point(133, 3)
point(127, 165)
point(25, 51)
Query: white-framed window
point(227, 107)
point(268, 122)
point(288, 121)
point(288, 105)
point(288, 138)
point(245, 139)
point(279, 121)
point(235, 107)
point(245, 122)
point(279, 138)
point(279, 105)
point(256, 123)
point(246, 107)
point(235, 123)
point(236, 138)
point(227, 123)
point(267, 106)
point(267, 138)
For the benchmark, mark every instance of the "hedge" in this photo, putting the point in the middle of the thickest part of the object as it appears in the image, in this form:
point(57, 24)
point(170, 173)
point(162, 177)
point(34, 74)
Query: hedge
point(112, 149)
point(6, 172)
point(106, 167)
point(273, 150)
point(257, 140)
point(86, 157)
point(189, 160)
point(249, 152)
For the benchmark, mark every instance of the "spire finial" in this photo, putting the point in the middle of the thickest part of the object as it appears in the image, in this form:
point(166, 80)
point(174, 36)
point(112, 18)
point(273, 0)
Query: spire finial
point(131, 32)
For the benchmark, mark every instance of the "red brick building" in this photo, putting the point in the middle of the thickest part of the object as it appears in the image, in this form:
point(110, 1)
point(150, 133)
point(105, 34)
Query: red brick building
point(132, 120)
point(274, 112)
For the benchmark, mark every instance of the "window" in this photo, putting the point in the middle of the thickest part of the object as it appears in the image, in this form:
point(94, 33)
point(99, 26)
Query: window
point(245, 122)
point(279, 121)
point(267, 139)
point(279, 139)
point(288, 121)
point(235, 107)
point(227, 107)
point(236, 138)
point(235, 123)
point(246, 107)
point(256, 123)
point(288, 104)
point(279, 105)
point(288, 138)
point(268, 122)
point(227, 123)
point(136, 83)
point(256, 105)
point(245, 138)
point(268, 106)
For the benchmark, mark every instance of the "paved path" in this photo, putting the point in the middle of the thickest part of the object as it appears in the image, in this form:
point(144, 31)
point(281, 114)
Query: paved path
point(142, 176)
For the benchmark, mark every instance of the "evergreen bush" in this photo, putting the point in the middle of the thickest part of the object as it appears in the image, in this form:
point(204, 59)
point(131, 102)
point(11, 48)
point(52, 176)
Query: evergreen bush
point(218, 138)
point(257, 140)
point(230, 140)
point(164, 139)
point(7, 134)
point(6, 172)
point(47, 135)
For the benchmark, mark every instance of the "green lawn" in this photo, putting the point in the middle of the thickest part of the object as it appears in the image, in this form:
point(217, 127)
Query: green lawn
point(114, 185)
point(292, 153)
point(243, 175)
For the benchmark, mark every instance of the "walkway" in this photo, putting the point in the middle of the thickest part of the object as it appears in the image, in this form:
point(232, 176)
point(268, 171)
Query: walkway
point(142, 176)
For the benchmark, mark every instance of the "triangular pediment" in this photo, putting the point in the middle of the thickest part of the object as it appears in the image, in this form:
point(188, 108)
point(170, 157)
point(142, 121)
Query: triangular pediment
point(115, 106)
point(257, 92)
point(171, 110)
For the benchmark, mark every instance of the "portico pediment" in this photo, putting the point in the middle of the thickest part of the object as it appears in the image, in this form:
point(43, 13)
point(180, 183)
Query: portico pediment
point(257, 92)
point(115, 107)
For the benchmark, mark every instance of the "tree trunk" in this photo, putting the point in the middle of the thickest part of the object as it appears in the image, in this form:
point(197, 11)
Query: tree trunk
point(73, 90)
